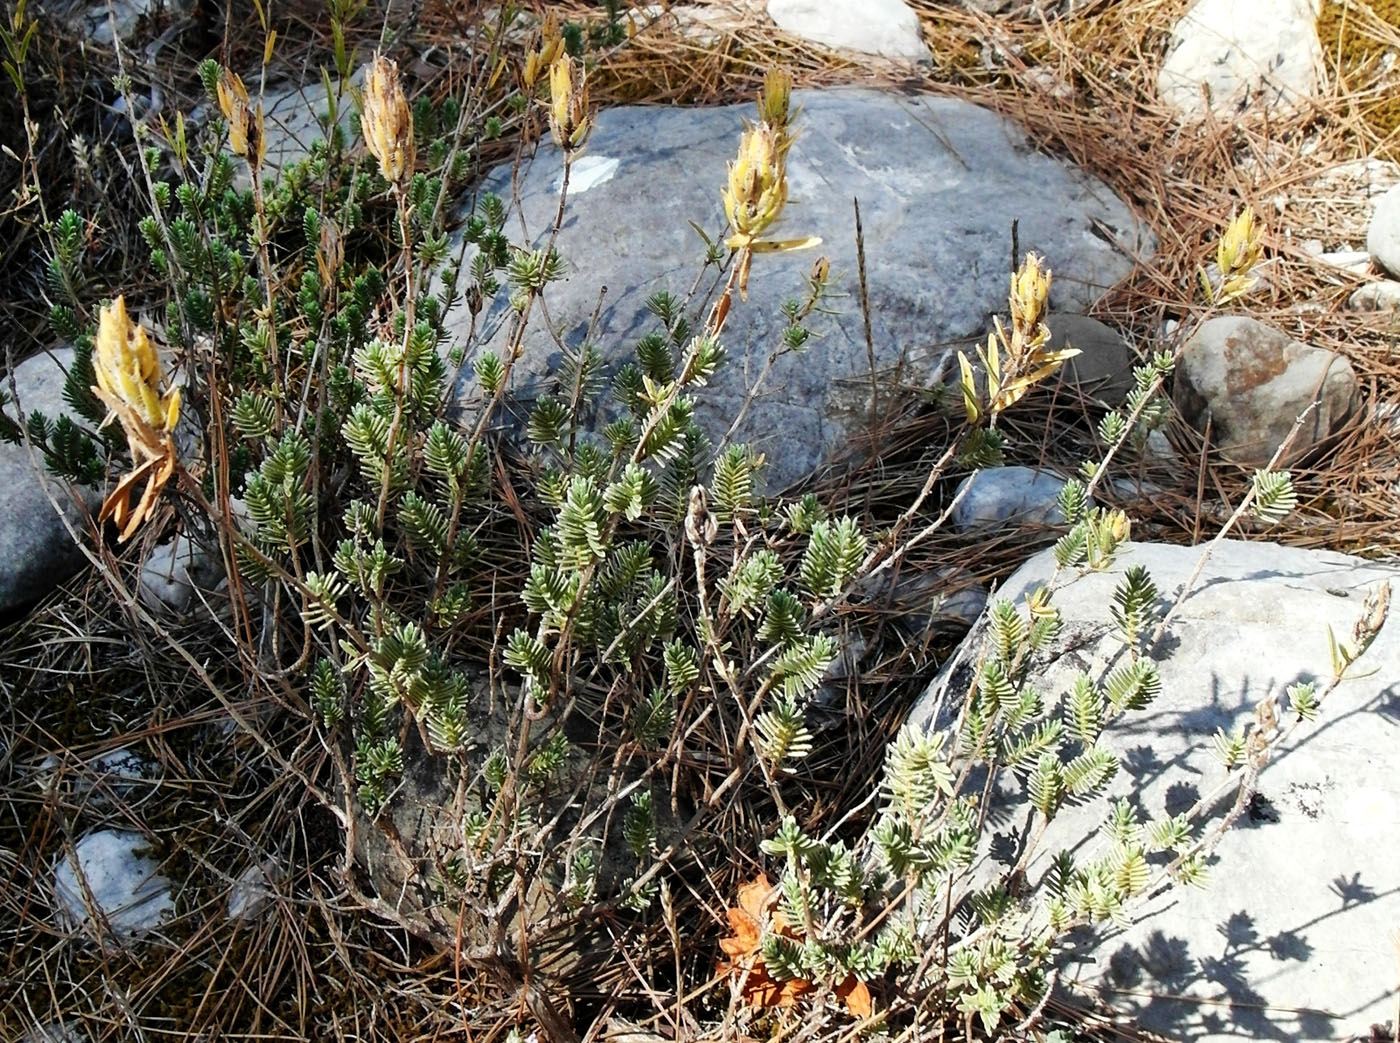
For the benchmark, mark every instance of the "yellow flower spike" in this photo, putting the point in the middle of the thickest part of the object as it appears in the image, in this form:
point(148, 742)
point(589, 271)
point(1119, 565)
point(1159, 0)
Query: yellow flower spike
point(757, 189)
point(128, 376)
point(1236, 255)
point(1017, 360)
point(568, 103)
point(387, 122)
point(1239, 248)
point(1118, 526)
point(540, 59)
point(1030, 290)
point(234, 104)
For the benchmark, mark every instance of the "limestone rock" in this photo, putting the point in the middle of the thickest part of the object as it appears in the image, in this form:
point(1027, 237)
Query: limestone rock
point(57, 1032)
point(1383, 233)
point(36, 550)
point(1104, 366)
point(997, 495)
point(173, 572)
point(122, 881)
point(1383, 295)
point(1250, 382)
point(292, 120)
point(108, 22)
point(1357, 262)
point(1247, 54)
point(939, 182)
point(1290, 936)
point(889, 28)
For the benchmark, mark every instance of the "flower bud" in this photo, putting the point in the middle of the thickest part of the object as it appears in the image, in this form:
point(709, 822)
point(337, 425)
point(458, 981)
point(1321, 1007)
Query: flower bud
point(568, 103)
point(1239, 248)
point(775, 98)
point(233, 103)
point(1030, 289)
point(540, 59)
point(387, 122)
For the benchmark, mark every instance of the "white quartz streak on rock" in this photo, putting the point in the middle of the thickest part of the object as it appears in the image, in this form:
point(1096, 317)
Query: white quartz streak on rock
point(588, 172)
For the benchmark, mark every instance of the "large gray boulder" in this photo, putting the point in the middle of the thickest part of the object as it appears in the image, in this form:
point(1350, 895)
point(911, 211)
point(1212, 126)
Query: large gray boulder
point(1247, 383)
point(1291, 936)
point(939, 183)
point(37, 551)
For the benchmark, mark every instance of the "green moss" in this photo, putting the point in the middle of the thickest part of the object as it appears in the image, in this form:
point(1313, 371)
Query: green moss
point(1354, 55)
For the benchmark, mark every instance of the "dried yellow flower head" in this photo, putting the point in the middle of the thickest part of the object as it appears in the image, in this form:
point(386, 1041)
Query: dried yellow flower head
point(128, 384)
point(1236, 255)
point(1118, 526)
point(387, 122)
point(1030, 290)
point(568, 103)
point(244, 124)
point(1015, 361)
point(542, 57)
point(757, 188)
point(128, 374)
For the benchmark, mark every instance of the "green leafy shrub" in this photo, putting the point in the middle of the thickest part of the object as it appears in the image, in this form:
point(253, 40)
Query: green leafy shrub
point(603, 644)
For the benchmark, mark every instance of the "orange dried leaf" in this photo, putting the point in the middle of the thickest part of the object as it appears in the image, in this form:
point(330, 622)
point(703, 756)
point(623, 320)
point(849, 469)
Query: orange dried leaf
point(758, 901)
point(747, 932)
point(763, 990)
point(756, 897)
point(854, 994)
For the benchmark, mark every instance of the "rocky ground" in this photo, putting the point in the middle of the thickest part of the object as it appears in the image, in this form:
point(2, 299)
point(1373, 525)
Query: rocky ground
point(157, 845)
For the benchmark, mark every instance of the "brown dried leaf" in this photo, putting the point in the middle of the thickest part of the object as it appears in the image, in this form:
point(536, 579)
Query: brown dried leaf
point(854, 994)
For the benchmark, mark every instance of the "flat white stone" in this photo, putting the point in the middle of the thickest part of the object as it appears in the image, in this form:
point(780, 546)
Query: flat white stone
point(1246, 53)
point(125, 884)
point(1357, 261)
point(889, 28)
point(56, 1032)
point(253, 889)
point(1383, 295)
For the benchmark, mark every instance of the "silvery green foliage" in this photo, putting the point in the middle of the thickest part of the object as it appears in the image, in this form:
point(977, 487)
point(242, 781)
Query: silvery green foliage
point(920, 880)
point(625, 572)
